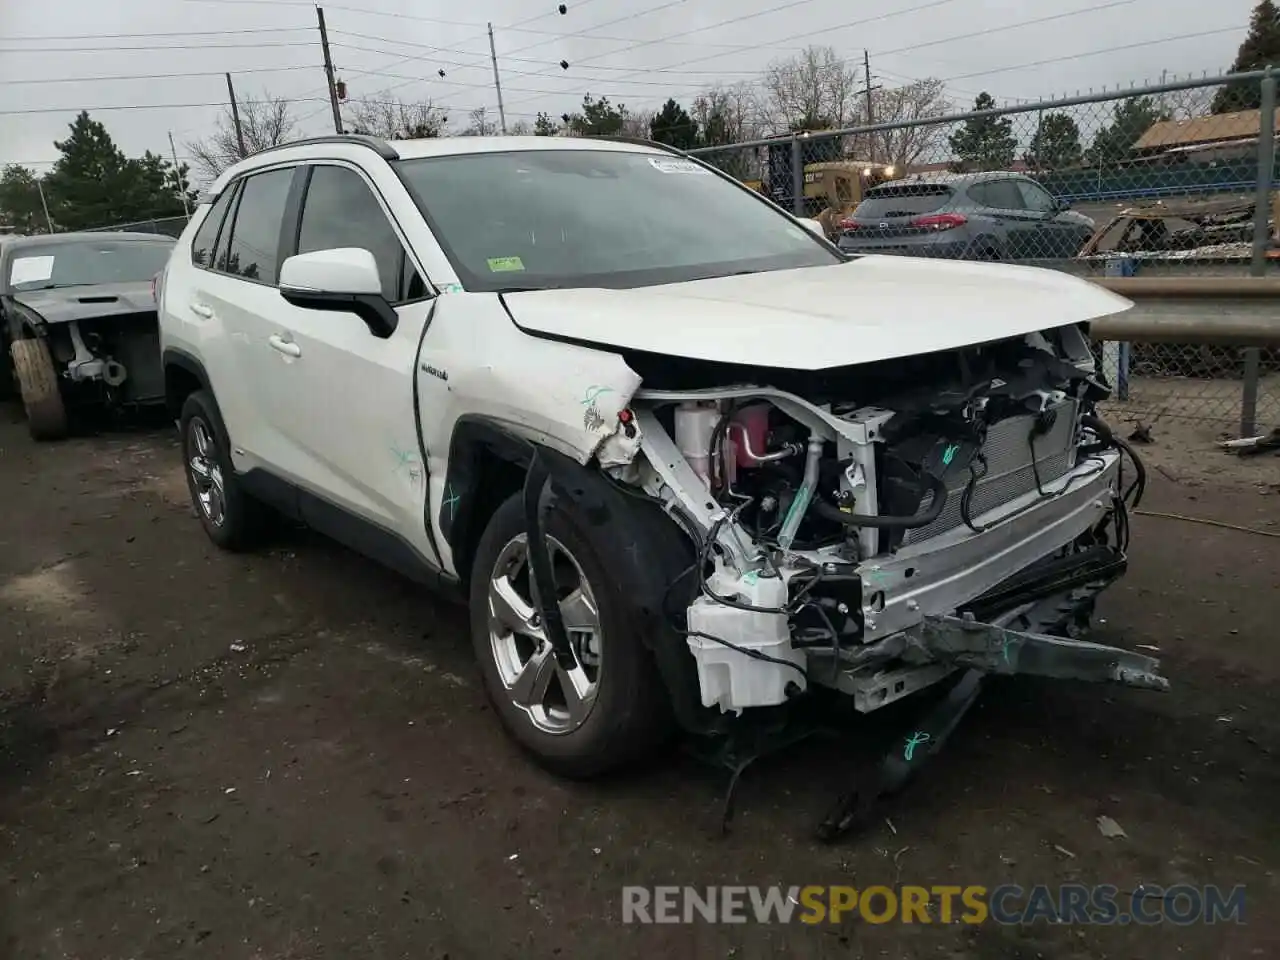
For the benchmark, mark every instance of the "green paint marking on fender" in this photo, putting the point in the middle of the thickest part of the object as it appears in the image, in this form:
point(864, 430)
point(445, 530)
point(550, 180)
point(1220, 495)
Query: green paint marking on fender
point(451, 500)
point(914, 741)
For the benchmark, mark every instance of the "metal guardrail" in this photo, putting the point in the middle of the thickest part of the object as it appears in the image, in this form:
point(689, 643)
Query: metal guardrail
point(1187, 316)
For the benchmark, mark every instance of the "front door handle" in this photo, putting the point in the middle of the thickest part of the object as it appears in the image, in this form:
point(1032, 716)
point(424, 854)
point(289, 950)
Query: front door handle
point(287, 347)
point(200, 310)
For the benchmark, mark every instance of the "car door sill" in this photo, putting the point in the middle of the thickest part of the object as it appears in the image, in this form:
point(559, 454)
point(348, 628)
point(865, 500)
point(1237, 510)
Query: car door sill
point(362, 536)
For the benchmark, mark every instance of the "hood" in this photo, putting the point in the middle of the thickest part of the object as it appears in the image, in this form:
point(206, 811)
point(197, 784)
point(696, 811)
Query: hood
point(1075, 216)
point(872, 308)
point(64, 304)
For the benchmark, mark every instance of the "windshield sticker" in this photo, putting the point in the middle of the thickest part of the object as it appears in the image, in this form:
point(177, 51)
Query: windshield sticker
point(505, 264)
point(31, 270)
point(675, 165)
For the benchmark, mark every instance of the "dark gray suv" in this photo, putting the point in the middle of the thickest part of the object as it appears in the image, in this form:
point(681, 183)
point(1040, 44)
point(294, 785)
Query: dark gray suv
point(970, 216)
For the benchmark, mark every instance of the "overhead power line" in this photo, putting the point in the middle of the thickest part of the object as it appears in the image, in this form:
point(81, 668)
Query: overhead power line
point(791, 3)
point(1095, 53)
point(1003, 28)
point(364, 10)
point(541, 61)
point(506, 72)
point(879, 17)
point(151, 48)
point(136, 106)
point(157, 76)
point(140, 36)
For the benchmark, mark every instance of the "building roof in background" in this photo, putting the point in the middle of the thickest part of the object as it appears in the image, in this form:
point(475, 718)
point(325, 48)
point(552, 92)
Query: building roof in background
point(1221, 126)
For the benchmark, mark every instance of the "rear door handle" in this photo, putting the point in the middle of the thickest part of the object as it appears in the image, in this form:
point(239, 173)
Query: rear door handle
point(200, 310)
point(287, 347)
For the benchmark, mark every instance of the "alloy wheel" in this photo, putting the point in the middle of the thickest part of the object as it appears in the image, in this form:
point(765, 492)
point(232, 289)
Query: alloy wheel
point(556, 699)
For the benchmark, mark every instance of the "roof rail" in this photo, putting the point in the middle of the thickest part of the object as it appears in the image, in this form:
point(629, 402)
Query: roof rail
point(381, 147)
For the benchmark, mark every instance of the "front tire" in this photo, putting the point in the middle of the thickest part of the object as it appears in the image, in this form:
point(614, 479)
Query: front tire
point(38, 384)
point(230, 516)
point(610, 708)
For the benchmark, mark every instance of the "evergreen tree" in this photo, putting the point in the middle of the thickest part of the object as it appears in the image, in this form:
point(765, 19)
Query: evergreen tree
point(1130, 119)
point(1261, 48)
point(87, 186)
point(599, 118)
point(1056, 143)
point(672, 125)
point(93, 184)
point(984, 143)
point(20, 205)
point(544, 126)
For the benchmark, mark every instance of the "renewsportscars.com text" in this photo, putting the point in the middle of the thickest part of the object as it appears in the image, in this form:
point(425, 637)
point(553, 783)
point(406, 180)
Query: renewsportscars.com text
point(1009, 904)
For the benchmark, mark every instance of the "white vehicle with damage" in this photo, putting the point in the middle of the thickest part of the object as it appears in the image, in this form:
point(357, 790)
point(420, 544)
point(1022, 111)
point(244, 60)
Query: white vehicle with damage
point(739, 465)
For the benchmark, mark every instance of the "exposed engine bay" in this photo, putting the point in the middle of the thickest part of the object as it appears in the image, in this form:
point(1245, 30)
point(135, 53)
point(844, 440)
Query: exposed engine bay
point(849, 524)
point(113, 356)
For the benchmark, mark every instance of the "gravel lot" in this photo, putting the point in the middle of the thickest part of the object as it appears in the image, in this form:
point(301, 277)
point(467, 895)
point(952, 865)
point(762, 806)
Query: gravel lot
point(288, 755)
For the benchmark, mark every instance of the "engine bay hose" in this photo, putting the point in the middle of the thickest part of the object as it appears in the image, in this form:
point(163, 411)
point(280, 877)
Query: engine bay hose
point(537, 481)
point(876, 522)
point(1108, 436)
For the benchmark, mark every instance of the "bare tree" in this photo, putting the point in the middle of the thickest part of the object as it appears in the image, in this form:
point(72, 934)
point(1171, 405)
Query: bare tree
point(637, 124)
point(917, 102)
point(267, 121)
point(480, 125)
point(726, 114)
point(521, 128)
point(392, 119)
point(816, 89)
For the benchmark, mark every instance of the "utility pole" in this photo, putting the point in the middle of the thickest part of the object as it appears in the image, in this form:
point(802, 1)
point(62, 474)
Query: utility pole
point(186, 207)
point(497, 84)
point(48, 221)
point(235, 118)
point(871, 137)
point(328, 72)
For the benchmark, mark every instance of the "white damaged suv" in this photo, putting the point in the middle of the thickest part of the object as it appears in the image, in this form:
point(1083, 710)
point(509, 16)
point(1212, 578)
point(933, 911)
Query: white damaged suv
point(688, 464)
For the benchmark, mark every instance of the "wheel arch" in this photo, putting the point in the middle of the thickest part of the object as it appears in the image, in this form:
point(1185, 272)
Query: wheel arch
point(488, 463)
point(21, 320)
point(183, 376)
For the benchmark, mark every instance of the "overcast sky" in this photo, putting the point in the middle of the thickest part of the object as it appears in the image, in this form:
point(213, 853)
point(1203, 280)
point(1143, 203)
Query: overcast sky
point(54, 54)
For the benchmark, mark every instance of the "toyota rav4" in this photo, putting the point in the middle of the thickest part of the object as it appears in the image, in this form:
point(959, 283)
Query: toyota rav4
point(687, 463)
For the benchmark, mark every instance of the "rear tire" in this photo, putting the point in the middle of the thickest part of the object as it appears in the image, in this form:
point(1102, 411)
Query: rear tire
point(629, 713)
point(38, 384)
point(233, 519)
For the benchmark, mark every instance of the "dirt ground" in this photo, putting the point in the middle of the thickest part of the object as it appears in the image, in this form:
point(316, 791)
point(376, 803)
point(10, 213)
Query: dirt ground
point(288, 755)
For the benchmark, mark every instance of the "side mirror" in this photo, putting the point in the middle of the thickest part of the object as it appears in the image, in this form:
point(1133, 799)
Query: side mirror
point(343, 279)
point(1060, 204)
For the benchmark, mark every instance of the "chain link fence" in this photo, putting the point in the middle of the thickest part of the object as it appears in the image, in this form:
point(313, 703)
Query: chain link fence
point(1163, 181)
point(167, 226)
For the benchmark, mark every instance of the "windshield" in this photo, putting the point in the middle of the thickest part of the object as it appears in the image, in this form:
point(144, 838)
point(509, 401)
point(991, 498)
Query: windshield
point(86, 262)
point(902, 200)
point(538, 219)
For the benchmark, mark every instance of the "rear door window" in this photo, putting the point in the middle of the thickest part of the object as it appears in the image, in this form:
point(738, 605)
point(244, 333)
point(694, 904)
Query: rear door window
point(254, 251)
point(207, 236)
point(903, 200)
point(1036, 198)
point(224, 235)
point(998, 194)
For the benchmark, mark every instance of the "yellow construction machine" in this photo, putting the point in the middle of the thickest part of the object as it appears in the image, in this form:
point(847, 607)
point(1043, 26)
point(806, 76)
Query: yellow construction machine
point(833, 188)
